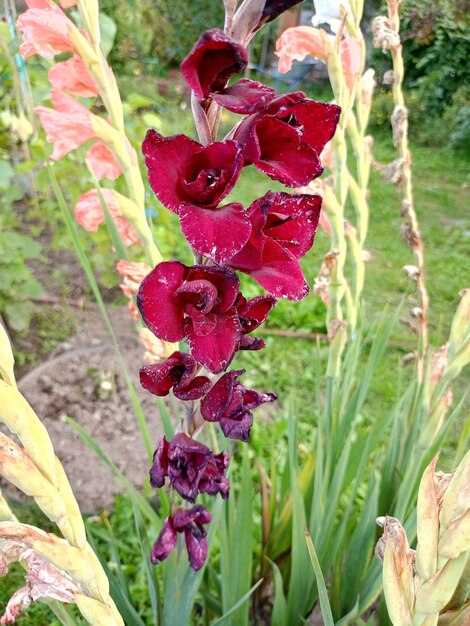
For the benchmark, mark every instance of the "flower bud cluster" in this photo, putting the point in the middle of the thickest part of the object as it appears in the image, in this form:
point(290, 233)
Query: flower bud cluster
point(283, 137)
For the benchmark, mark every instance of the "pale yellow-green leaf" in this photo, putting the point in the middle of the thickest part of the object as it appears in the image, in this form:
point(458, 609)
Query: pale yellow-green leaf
point(433, 596)
point(427, 524)
point(456, 499)
point(20, 418)
point(456, 537)
point(7, 360)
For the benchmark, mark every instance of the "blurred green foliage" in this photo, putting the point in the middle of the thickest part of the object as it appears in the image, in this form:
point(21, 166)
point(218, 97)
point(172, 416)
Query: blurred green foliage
point(155, 35)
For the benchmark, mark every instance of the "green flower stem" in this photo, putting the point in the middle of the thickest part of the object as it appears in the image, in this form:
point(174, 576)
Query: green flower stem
point(408, 211)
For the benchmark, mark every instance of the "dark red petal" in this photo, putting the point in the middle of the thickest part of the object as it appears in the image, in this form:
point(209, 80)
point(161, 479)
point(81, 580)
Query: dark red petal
point(211, 173)
point(212, 61)
point(292, 221)
point(284, 157)
point(167, 160)
point(245, 135)
point(156, 301)
point(159, 469)
point(165, 542)
point(219, 397)
point(216, 350)
point(251, 343)
point(187, 460)
point(281, 273)
point(238, 428)
point(225, 280)
point(253, 399)
point(216, 233)
point(245, 96)
point(154, 378)
point(197, 550)
point(197, 388)
point(184, 519)
point(254, 312)
point(250, 257)
point(319, 121)
point(274, 8)
point(214, 480)
point(282, 105)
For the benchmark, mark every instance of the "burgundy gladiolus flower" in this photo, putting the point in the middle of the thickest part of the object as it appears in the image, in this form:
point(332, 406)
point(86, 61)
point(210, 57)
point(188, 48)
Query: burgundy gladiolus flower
point(198, 303)
point(215, 58)
point(191, 522)
point(178, 371)
point(285, 139)
point(229, 403)
point(252, 313)
point(283, 230)
point(191, 467)
point(191, 180)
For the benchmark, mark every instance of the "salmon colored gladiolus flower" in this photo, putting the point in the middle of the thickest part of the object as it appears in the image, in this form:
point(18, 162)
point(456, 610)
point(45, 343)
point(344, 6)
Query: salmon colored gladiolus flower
point(132, 275)
point(67, 126)
point(73, 76)
point(295, 44)
point(89, 214)
point(45, 29)
point(103, 162)
point(155, 349)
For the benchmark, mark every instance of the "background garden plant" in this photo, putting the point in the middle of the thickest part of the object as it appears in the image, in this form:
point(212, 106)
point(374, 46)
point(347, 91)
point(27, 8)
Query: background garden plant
point(351, 465)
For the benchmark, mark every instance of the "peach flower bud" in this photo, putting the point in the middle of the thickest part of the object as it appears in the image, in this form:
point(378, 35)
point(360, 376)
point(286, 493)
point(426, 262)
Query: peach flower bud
point(89, 214)
point(73, 76)
point(45, 29)
point(103, 162)
point(66, 4)
point(133, 274)
point(326, 156)
point(155, 349)
point(351, 60)
point(67, 126)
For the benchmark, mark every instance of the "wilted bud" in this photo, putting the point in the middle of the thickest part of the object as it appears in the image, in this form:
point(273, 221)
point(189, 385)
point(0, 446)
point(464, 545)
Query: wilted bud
point(399, 121)
point(43, 579)
point(322, 281)
point(409, 235)
point(388, 78)
point(397, 558)
point(408, 358)
point(393, 172)
point(384, 36)
point(438, 364)
point(411, 271)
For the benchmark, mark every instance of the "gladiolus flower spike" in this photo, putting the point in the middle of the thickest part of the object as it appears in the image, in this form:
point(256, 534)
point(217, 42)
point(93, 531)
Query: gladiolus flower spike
point(283, 137)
